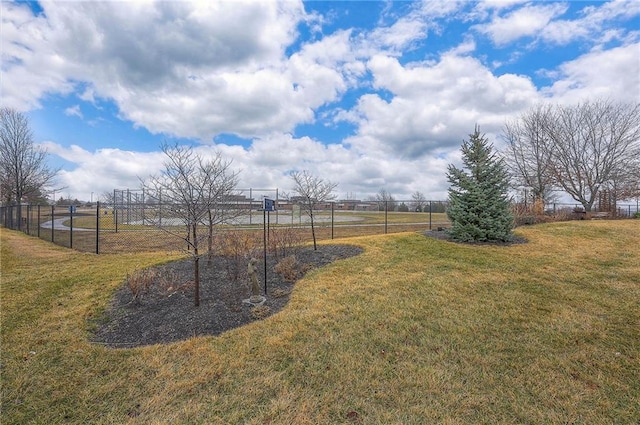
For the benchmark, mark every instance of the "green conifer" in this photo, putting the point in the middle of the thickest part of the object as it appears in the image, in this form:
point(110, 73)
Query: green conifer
point(478, 197)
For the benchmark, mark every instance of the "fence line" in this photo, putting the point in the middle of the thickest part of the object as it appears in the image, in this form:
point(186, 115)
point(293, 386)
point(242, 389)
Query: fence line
point(109, 228)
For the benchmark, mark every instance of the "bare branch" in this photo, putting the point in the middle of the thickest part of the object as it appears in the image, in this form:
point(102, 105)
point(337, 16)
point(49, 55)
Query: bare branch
point(583, 149)
point(312, 190)
point(23, 167)
point(596, 145)
point(195, 191)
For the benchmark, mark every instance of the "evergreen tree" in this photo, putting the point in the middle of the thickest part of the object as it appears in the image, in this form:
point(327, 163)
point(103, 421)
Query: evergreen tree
point(478, 199)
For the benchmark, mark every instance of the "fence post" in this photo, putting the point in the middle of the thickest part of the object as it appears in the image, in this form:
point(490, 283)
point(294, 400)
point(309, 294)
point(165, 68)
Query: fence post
point(38, 231)
point(52, 225)
point(160, 208)
point(332, 220)
point(28, 219)
point(264, 245)
point(430, 209)
point(98, 227)
point(385, 217)
point(70, 226)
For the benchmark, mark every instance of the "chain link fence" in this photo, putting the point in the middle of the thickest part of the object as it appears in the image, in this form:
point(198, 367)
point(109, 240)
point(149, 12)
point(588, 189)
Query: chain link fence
point(137, 224)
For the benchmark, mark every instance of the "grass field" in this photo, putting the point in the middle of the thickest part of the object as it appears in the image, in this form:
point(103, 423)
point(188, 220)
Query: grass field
point(413, 331)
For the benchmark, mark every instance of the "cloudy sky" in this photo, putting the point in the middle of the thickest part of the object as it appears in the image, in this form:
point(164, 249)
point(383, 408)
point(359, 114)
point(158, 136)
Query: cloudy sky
point(368, 94)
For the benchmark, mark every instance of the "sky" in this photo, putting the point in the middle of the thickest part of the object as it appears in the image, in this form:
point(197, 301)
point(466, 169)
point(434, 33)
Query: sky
point(370, 95)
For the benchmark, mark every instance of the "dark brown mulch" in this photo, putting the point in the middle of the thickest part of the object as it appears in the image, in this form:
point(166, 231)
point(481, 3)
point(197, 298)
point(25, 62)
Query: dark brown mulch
point(167, 313)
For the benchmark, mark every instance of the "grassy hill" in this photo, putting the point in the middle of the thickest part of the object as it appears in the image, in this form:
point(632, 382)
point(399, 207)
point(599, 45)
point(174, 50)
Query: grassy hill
point(415, 330)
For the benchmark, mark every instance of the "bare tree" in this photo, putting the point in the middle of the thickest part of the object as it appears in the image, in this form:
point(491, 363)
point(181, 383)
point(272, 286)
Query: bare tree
point(418, 201)
point(23, 166)
point(220, 182)
point(529, 152)
point(583, 149)
point(192, 190)
point(385, 200)
point(594, 145)
point(627, 186)
point(107, 198)
point(312, 191)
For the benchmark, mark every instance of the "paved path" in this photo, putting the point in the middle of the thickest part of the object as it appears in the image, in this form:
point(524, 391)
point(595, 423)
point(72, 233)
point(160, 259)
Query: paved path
point(58, 224)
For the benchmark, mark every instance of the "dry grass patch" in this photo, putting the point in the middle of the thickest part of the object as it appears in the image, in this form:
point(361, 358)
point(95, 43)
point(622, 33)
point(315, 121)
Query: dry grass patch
point(415, 330)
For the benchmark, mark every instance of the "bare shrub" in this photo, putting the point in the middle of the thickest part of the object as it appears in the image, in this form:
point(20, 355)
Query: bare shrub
point(529, 213)
point(285, 241)
point(139, 282)
point(564, 214)
point(287, 268)
point(167, 279)
point(279, 293)
point(290, 269)
point(237, 247)
point(168, 282)
point(260, 312)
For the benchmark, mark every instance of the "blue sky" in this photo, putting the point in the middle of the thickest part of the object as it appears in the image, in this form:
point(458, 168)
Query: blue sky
point(368, 94)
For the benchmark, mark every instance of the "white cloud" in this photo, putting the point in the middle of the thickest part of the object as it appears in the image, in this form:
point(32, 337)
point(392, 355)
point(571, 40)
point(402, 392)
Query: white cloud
point(182, 68)
point(541, 22)
point(593, 24)
point(526, 21)
point(264, 165)
point(73, 111)
point(434, 105)
point(103, 170)
point(29, 68)
point(613, 74)
point(498, 4)
point(190, 69)
point(409, 30)
point(464, 48)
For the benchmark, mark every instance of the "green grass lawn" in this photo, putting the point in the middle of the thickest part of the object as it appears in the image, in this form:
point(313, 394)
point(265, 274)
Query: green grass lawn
point(413, 331)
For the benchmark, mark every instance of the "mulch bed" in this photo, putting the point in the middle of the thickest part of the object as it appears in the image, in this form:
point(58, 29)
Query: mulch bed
point(166, 311)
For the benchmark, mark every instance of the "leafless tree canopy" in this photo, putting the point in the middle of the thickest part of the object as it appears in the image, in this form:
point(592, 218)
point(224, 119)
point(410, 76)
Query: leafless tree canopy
point(528, 155)
point(194, 190)
point(384, 197)
point(23, 168)
point(584, 149)
point(418, 201)
point(312, 190)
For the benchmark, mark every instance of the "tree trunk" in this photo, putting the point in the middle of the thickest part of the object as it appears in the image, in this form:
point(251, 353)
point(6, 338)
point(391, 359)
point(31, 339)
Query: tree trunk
point(210, 240)
point(313, 231)
point(196, 268)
